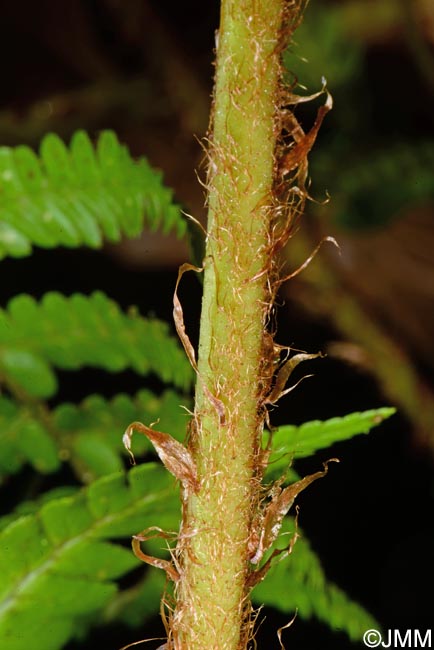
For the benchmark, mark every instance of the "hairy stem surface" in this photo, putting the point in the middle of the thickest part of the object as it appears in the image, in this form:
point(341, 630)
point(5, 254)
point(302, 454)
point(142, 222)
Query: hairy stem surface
point(212, 608)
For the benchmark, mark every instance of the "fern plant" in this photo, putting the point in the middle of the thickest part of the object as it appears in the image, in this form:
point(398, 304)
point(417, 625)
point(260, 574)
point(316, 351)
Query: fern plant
point(62, 552)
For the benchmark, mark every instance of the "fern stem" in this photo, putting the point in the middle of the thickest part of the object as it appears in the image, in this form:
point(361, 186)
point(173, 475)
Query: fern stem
point(212, 600)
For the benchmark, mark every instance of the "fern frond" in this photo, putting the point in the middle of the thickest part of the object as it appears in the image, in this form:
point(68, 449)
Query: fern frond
point(31, 506)
point(292, 442)
point(57, 566)
point(94, 428)
point(78, 331)
point(78, 196)
point(89, 434)
point(24, 440)
point(372, 192)
point(298, 583)
point(62, 547)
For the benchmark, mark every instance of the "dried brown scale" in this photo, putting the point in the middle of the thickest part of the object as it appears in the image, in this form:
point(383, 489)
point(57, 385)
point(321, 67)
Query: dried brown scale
point(280, 504)
point(296, 157)
point(283, 375)
point(174, 456)
point(158, 563)
point(136, 643)
point(178, 318)
point(255, 577)
point(309, 259)
point(284, 627)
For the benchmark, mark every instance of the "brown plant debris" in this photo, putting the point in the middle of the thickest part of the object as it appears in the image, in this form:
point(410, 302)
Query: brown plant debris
point(255, 577)
point(178, 317)
point(165, 565)
point(283, 375)
point(174, 456)
point(155, 638)
point(296, 157)
point(280, 504)
point(285, 627)
point(309, 259)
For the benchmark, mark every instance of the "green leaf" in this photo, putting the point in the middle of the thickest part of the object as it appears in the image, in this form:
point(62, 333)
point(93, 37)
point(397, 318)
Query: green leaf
point(95, 427)
point(78, 331)
point(30, 507)
point(79, 196)
point(57, 566)
point(28, 371)
point(291, 442)
point(298, 583)
point(38, 447)
point(96, 455)
point(89, 434)
point(24, 439)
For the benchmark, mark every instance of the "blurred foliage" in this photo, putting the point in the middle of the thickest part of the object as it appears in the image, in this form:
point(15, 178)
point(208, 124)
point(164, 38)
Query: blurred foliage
point(112, 194)
point(372, 192)
point(375, 163)
point(321, 48)
point(371, 180)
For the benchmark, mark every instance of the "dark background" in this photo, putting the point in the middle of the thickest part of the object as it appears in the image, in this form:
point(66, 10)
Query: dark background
point(145, 70)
